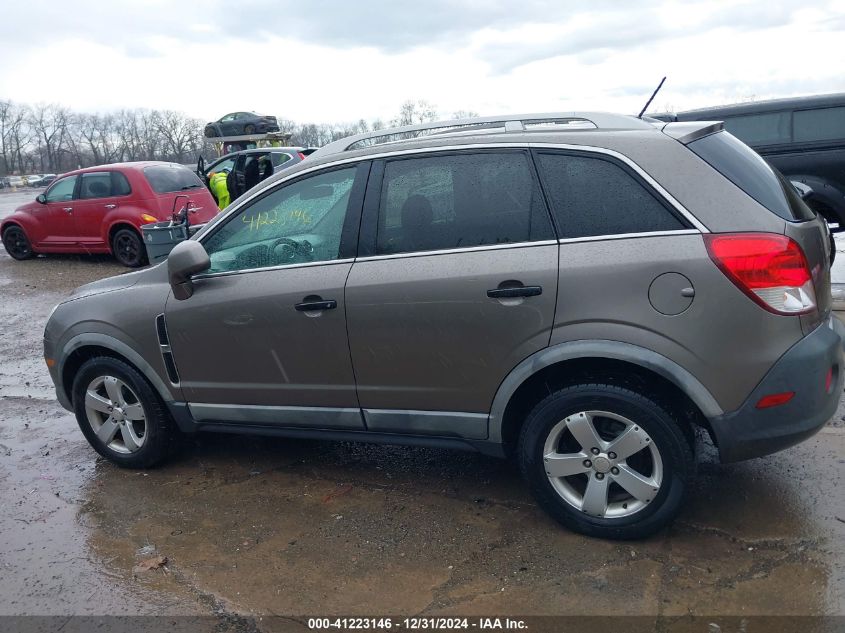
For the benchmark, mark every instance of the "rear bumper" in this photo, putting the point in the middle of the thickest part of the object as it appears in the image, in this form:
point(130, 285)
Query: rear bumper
point(751, 432)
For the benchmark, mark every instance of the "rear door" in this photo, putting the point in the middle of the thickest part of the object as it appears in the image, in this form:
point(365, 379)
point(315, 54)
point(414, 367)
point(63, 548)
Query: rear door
point(101, 193)
point(455, 284)
point(263, 337)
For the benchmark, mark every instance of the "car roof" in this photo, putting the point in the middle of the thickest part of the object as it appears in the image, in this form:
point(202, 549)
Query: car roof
point(261, 150)
point(128, 166)
point(519, 128)
point(611, 132)
point(770, 105)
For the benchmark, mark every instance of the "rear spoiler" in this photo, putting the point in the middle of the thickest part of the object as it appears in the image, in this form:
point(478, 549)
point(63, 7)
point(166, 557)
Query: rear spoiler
point(689, 131)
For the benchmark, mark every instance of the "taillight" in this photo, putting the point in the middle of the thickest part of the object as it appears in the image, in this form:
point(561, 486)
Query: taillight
point(769, 268)
point(301, 155)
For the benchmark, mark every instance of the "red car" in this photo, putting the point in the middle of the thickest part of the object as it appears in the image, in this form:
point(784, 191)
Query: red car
point(101, 209)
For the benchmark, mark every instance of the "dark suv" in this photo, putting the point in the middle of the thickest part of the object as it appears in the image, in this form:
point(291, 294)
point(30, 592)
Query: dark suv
point(803, 137)
point(579, 292)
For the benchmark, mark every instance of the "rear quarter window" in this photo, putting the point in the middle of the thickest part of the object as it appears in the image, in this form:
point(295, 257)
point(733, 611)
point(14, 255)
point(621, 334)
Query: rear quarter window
point(593, 196)
point(747, 170)
point(171, 178)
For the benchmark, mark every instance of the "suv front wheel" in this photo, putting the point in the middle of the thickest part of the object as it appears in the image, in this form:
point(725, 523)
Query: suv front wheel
point(606, 461)
point(17, 243)
point(120, 415)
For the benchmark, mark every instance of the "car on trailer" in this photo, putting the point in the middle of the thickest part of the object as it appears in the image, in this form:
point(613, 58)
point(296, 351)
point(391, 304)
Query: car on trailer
point(241, 123)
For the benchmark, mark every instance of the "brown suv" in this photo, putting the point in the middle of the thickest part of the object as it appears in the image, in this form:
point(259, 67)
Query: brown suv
point(579, 292)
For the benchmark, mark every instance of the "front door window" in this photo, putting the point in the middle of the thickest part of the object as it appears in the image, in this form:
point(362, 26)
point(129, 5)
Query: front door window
point(299, 223)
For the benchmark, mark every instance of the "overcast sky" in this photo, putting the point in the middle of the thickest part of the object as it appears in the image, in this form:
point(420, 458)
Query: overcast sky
point(341, 60)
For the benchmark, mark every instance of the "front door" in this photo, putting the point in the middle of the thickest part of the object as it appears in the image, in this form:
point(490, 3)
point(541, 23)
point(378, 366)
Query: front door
point(263, 337)
point(456, 285)
point(57, 225)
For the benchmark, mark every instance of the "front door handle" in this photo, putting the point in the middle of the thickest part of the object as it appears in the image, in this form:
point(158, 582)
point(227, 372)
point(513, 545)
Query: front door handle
point(68, 209)
point(310, 306)
point(110, 206)
point(518, 291)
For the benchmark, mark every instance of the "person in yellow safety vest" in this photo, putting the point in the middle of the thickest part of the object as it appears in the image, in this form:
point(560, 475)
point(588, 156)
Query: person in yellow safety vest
point(217, 183)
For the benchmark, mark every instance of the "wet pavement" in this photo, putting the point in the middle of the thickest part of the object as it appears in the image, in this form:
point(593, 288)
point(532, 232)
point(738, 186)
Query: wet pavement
point(292, 527)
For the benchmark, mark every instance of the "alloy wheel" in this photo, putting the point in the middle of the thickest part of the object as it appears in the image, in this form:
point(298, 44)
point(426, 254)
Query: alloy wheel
point(603, 464)
point(115, 414)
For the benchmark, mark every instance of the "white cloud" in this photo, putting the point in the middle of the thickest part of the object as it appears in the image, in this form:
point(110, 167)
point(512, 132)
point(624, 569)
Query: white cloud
point(484, 57)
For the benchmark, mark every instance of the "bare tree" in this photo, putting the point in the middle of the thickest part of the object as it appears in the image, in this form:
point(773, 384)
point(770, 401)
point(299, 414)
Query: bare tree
point(50, 137)
point(6, 110)
point(415, 112)
point(49, 124)
point(17, 136)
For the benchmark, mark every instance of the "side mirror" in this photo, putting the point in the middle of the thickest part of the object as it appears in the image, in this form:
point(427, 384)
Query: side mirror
point(186, 259)
point(41, 198)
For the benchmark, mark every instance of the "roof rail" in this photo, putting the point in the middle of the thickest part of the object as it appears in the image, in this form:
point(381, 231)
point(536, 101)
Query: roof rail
point(486, 125)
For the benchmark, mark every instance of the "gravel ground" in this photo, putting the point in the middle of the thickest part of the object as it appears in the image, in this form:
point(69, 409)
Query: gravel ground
point(254, 526)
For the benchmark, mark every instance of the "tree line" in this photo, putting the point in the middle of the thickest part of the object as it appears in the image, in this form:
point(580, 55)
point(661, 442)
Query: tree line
point(51, 138)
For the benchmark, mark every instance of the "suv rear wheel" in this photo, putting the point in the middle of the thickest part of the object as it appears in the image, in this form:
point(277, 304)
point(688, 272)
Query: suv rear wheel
point(120, 414)
point(606, 461)
point(128, 249)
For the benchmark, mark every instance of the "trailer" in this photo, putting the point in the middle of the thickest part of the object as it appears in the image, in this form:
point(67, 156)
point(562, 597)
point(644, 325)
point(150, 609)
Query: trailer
point(228, 144)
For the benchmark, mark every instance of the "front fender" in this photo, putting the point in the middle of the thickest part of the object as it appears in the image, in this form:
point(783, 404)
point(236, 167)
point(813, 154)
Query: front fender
point(24, 220)
point(92, 339)
point(615, 350)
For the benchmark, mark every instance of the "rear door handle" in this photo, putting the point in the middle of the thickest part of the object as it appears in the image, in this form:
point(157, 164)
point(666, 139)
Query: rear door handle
point(68, 209)
point(110, 206)
point(519, 291)
point(309, 306)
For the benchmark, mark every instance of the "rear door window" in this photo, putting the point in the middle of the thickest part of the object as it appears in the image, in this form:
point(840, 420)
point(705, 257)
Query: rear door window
point(279, 158)
point(171, 178)
point(747, 170)
point(95, 184)
point(592, 196)
point(460, 201)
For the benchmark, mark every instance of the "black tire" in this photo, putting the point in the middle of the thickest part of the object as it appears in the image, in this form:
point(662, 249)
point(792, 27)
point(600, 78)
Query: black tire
point(160, 435)
point(128, 249)
point(249, 129)
point(17, 244)
point(657, 424)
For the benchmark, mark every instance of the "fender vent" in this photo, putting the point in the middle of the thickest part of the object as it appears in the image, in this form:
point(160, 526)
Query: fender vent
point(166, 353)
point(161, 330)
